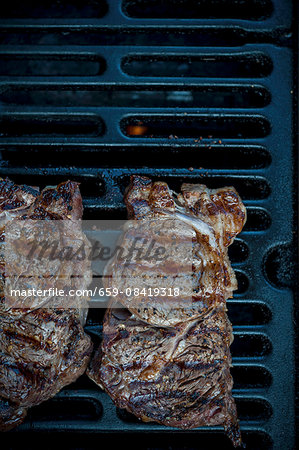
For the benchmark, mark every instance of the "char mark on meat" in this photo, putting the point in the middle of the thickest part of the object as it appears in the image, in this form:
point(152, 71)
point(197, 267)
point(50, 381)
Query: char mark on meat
point(170, 362)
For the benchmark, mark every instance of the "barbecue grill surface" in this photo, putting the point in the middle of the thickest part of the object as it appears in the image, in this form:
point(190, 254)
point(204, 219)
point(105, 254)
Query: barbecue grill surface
point(201, 91)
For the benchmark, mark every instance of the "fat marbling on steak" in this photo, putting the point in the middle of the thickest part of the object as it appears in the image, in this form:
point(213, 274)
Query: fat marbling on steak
point(168, 359)
point(42, 349)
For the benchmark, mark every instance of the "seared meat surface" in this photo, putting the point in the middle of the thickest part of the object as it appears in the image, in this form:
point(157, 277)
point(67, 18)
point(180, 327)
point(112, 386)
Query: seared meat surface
point(42, 349)
point(167, 359)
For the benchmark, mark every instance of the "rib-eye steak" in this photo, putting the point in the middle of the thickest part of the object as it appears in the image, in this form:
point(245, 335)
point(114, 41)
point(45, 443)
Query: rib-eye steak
point(42, 348)
point(167, 359)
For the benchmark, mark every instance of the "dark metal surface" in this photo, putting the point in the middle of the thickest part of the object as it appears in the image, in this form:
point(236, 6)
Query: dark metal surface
point(206, 100)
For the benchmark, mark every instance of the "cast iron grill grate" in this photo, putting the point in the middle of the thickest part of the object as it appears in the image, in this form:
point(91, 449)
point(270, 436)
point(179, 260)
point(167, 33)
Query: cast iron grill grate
point(180, 91)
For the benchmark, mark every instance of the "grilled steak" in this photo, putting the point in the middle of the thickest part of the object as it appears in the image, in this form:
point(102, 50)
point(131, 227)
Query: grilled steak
point(42, 349)
point(168, 359)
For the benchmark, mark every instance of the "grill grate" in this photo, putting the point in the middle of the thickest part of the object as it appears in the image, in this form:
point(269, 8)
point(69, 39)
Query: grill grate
point(96, 91)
